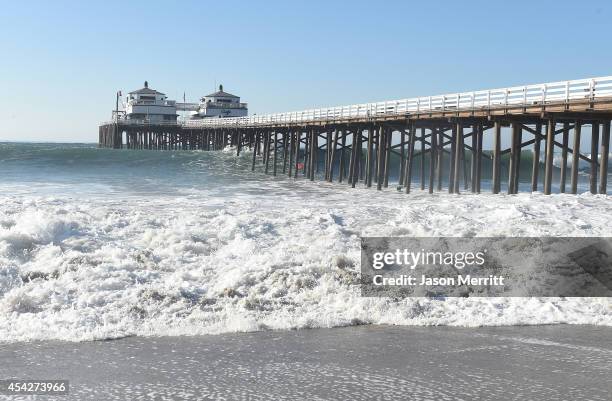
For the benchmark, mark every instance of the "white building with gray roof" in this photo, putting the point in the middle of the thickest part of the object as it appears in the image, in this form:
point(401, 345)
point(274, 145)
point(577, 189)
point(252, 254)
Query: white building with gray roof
point(219, 105)
point(149, 105)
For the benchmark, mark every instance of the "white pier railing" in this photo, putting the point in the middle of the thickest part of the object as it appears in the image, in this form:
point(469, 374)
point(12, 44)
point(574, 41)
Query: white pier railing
point(528, 95)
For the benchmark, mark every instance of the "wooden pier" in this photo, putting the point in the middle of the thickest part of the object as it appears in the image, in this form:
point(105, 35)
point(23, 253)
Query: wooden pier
point(438, 137)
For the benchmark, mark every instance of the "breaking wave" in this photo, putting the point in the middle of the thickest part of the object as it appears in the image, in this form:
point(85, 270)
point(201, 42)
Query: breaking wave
point(241, 252)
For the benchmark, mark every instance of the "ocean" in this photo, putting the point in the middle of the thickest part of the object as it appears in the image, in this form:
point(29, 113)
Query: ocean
point(104, 244)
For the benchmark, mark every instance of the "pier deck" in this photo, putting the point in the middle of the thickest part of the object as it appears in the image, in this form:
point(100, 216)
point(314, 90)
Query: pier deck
point(444, 134)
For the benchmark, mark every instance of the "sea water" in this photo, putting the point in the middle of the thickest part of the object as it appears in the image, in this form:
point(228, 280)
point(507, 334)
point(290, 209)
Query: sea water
point(99, 243)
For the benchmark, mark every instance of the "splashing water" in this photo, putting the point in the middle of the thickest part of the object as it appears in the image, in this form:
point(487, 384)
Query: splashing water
point(101, 243)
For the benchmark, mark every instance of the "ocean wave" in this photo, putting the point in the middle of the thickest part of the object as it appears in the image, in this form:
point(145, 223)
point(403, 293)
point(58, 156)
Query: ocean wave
point(281, 256)
point(583, 165)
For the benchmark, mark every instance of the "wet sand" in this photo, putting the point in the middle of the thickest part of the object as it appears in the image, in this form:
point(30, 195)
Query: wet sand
point(353, 363)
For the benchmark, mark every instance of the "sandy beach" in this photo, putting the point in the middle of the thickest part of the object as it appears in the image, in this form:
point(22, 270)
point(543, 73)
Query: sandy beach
point(558, 362)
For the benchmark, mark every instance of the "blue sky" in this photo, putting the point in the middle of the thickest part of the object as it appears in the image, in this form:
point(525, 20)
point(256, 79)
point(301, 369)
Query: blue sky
point(63, 61)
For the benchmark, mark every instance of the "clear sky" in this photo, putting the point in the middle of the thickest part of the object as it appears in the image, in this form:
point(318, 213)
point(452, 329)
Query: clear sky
point(62, 62)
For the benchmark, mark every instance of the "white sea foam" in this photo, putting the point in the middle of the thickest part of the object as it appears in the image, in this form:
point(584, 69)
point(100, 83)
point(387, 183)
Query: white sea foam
point(109, 244)
point(274, 255)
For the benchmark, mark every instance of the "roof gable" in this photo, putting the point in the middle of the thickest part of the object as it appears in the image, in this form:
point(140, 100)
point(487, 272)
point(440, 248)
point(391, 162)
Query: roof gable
point(146, 90)
point(221, 93)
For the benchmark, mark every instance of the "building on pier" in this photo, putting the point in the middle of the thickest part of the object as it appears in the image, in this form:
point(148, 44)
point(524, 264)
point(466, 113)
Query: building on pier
point(220, 105)
point(149, 105)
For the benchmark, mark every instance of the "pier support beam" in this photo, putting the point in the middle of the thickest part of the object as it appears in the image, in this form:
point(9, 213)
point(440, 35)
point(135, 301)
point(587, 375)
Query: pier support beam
point(359, 158)
point(291, 152)
point(328, 151)
point(473, 168)
point(564, 147)
point(388, 140)
point(332, 157)
point(296, 149)
point(298, 145)
point(255, 151)
point(314, 147)
point(306, 161)
point(370, 157)
point(285, 136)
point(409, 160)
point(457, 155)
point(512, 162)
point(453, 156)
point(354, 170)
point(422, 159)
point(576, 156)
point(381, 148)
point(464, 167)
point(402, 156)
point(496, 157)
point(440, 161)
point(594, 150)
point(548, 168)
point(275, 153)
point(605, 152)
point(433, 148)
point(351, 168)
point(480, 134)
point(267, 151)
point(535, 169)
point(341, 161)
